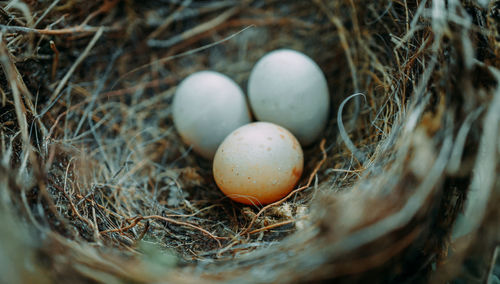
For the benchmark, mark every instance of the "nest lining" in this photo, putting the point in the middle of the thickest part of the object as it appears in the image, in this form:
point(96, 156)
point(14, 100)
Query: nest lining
point(97, 185)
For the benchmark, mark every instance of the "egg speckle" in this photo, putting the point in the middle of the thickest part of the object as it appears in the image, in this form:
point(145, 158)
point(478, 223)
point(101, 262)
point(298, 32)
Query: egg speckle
point(288, 88)
point(259, 163)
point(207, 106)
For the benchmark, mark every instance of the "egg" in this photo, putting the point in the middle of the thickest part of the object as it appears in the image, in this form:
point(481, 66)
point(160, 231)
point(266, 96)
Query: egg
point(288, 88)
point(207, 106)
point(258, 163)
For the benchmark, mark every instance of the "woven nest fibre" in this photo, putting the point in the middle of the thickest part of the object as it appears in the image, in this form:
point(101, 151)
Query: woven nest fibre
point(96, 185)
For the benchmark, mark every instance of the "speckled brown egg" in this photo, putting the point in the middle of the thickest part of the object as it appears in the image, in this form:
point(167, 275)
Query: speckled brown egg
point(258, 163)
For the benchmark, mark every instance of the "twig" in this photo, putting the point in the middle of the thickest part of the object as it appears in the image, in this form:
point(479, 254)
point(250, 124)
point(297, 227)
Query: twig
point(169, 20)
point(122, 229)
point(71, 30)
point(75, 211)
point(144, 231)
point(10, 17)
point(20, 109)
point(55, 61)
point(46, 12)
point(272, 226)
point(150, 84)
point(105, 7)
point(186, 225)
point(196, 30)
point(65, 79)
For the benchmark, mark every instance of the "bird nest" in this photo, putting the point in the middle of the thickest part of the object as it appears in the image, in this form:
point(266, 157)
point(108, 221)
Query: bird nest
point(96, 185)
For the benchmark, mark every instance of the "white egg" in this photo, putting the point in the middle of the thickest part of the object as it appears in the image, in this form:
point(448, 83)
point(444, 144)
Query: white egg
point(207, 106)
point(258, 163)
point(287, 88)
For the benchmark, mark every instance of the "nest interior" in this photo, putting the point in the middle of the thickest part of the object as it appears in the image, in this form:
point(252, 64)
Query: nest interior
point(97, 186)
